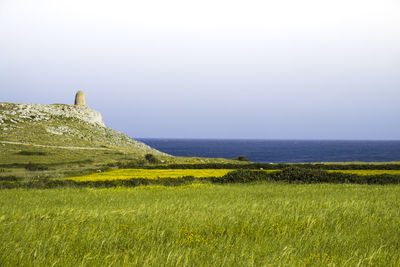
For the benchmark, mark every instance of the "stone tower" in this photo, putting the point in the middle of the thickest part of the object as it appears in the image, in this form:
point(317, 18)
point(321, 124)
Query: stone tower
point(80, 98)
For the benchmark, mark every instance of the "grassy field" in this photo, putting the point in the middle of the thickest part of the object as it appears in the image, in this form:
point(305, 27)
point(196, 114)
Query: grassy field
point(202, 224)
point(60, 163)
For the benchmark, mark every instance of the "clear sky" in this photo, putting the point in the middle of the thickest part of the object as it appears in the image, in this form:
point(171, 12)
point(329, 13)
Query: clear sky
point(287, 69)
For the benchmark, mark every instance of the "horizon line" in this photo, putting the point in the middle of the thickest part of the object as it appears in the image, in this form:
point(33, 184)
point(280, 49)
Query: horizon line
point(263, 139)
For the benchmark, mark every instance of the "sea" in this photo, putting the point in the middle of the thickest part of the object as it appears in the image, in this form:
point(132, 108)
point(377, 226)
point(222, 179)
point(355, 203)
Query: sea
point(281, 151)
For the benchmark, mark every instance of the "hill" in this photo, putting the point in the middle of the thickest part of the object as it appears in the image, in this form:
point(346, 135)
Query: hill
point(63, 125)
point(70, 136)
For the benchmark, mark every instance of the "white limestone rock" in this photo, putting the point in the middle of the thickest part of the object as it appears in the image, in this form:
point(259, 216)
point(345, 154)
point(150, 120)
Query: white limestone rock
point(43, 112)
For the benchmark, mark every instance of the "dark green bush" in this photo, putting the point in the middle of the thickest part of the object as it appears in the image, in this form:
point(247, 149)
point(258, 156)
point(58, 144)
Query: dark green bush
point(241, 176)
point(241, 158)
point(302, 175)
point(151, 158)
point(35, 167)
point(32, 153)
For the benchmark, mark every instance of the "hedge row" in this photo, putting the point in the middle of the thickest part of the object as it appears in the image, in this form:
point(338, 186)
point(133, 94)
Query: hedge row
point(50, 183)
point(289, 175)
point(302, 175)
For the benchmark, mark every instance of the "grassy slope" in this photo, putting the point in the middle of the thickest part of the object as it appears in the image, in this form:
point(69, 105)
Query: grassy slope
point(111, 144)
point(106, 145)
point(202, 225)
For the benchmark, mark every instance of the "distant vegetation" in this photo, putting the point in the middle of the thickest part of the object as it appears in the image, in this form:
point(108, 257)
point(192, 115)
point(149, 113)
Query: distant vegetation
point(137, 177)
point(32, 153)
point(241, 158)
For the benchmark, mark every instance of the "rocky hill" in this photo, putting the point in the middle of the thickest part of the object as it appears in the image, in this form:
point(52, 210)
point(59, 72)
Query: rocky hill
point(70, 136)
point(63, 127)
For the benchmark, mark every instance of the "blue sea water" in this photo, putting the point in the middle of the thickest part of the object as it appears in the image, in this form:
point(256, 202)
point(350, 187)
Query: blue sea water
point(276, 151)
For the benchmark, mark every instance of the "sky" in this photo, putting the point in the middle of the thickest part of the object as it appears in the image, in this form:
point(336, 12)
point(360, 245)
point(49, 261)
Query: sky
point(287, 69)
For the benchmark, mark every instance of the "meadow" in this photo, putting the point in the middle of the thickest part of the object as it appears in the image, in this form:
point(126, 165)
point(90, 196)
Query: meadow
point(254, 224)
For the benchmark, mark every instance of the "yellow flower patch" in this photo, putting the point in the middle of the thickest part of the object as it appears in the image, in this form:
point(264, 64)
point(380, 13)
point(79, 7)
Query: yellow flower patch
point(123, 174)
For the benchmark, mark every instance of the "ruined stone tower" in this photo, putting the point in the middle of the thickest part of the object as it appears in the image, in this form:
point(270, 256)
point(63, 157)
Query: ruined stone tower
point(80, 98)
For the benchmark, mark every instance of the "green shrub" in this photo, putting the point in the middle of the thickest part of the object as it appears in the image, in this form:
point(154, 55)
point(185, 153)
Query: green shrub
point(302, 175)
point(151, 158)
point(35, 167)
point(32, 153)
point(242, 176)
point(241, 158)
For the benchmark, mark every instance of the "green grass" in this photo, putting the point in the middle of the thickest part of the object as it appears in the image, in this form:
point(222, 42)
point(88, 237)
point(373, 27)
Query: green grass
point(202, 225)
